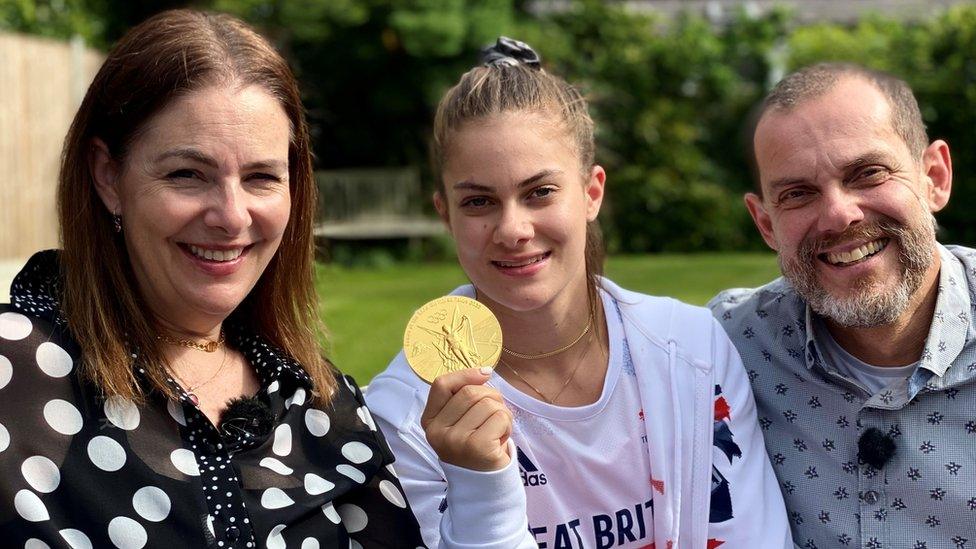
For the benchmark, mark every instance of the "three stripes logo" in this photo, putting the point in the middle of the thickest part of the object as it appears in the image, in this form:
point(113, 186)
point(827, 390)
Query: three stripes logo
point(531, 475)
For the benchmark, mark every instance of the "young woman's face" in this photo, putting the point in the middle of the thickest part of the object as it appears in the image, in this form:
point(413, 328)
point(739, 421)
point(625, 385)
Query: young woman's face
point(517, 202)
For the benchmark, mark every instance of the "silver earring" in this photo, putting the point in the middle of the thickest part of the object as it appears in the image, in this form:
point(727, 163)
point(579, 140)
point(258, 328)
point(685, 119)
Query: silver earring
point(117, 222)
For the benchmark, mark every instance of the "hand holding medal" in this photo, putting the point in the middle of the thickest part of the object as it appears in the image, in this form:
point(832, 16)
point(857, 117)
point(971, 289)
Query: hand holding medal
point(452, 343)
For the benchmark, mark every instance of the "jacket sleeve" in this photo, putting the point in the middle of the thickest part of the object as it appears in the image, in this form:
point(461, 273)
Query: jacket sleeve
point(457, 508)
point(746, 507)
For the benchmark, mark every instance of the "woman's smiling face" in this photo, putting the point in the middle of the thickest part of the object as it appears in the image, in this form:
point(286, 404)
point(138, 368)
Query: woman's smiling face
point(203, 193)
point(517, 202)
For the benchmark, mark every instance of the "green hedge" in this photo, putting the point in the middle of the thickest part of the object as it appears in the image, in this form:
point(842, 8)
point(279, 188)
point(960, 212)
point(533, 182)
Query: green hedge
point(669, 97)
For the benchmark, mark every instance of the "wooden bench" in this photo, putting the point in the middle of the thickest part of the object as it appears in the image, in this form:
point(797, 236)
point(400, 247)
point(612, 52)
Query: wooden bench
point(373, 204)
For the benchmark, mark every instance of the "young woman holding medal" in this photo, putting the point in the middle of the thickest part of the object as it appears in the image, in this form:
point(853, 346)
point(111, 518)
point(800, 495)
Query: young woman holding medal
point(613, 419)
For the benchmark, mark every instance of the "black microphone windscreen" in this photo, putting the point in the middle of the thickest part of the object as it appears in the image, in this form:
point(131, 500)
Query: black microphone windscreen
point(875, 447)
point(247, 414)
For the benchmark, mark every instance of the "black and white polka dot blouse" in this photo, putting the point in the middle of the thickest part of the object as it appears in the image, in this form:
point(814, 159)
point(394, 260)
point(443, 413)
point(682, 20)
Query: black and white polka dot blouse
point(82, 471)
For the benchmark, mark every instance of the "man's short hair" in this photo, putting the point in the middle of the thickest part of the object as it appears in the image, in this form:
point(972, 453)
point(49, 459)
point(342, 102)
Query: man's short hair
point(816, 80)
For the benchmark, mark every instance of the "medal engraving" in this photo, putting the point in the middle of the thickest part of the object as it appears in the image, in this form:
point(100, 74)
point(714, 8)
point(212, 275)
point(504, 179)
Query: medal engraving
point(451, 333)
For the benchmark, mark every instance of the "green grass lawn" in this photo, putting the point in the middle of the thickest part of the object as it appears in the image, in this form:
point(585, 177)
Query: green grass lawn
point(366, 309)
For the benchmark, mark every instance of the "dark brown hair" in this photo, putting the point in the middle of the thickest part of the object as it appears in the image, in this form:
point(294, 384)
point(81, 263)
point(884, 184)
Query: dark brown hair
point(501, 88)
point(165, 57)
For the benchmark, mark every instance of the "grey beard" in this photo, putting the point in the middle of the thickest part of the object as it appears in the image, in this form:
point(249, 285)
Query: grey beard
point(871, 304)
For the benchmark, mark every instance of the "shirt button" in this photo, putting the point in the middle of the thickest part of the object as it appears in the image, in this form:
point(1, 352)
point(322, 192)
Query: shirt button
point(233, 533)
point(871, 497)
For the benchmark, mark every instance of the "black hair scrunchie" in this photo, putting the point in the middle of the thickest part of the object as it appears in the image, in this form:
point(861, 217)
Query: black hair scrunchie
point(509, 52)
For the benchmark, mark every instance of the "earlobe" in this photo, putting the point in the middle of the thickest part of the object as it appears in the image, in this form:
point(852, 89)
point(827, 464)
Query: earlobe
point(595, 188)
point(105, 174)
point(754, 203)
point(937, 163)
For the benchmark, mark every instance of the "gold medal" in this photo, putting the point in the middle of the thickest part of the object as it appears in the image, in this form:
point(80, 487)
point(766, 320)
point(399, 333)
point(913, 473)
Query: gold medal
point(451, 333)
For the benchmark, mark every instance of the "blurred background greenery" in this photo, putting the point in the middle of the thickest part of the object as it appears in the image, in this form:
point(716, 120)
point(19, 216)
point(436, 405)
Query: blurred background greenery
point(670, 95)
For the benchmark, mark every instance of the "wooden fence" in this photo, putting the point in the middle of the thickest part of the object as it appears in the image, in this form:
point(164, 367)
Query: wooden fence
point(42, 82)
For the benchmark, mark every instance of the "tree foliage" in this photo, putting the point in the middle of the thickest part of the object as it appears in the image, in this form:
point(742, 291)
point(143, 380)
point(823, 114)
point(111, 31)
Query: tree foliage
point(670, 97)
point(669, 100)
point(54, 18)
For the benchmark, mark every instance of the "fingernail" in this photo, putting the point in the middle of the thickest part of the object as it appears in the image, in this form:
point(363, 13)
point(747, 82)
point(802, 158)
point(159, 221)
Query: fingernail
point(486, 370)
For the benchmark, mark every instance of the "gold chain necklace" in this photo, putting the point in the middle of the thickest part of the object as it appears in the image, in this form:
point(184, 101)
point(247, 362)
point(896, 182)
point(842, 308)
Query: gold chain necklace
point(536, 389)
point(208, 347)
point(554, 352)
point(190, 390)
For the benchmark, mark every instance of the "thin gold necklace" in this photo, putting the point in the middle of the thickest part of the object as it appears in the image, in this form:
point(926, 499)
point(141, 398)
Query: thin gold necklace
point(190, 390)
point(554, 352)
point(208, 347)
point(536, 389)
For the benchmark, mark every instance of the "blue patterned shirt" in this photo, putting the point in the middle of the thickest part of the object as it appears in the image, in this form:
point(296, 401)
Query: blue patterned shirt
point(812, 417)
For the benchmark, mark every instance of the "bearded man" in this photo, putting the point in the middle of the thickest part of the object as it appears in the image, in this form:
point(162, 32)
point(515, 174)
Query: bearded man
point(862, 357)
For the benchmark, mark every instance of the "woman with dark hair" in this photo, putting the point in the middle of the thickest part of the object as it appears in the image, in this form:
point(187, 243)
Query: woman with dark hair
point(160, 376)
point(613, 419)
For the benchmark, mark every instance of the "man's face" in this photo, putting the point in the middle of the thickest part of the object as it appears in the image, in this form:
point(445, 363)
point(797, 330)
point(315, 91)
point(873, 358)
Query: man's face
point(847, 206)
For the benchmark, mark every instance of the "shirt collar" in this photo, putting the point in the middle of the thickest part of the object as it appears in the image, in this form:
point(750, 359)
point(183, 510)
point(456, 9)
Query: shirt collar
point(36, 288)
point(950, 322)
point(271, 363)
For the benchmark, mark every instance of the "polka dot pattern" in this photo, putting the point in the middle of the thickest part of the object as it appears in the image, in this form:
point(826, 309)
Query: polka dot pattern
point(277, 466)
point(41, 473)
point(14, 326)
point(6, 371)
point(356, 452)
point(30, 507)
point(185, 462)
point(275, 539)
point(122, 412)
point(297, 398)
point(63, 417)
point(175, 410)
point(76, 539)
point(353, 517)
point(53, 360)
point(106, 454)
point(316, 485)
point(330, 513)
point(349, 471)
point(282, 440)
point(365, 417)
point(275, 498)
point(4, 438)
point(93, 471)
point(317, 422)
point(151, 503)
point(392, 494)
point(126, 533)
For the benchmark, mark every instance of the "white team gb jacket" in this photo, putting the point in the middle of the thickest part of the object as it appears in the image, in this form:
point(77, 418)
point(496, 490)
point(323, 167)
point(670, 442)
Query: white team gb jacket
point(680, 354)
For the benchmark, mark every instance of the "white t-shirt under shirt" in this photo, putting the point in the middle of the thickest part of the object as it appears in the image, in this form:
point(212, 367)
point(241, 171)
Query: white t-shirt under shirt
point(873, 378)
point(585, 469)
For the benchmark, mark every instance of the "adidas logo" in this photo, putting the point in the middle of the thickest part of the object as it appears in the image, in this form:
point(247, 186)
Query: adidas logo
point(531, 476)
